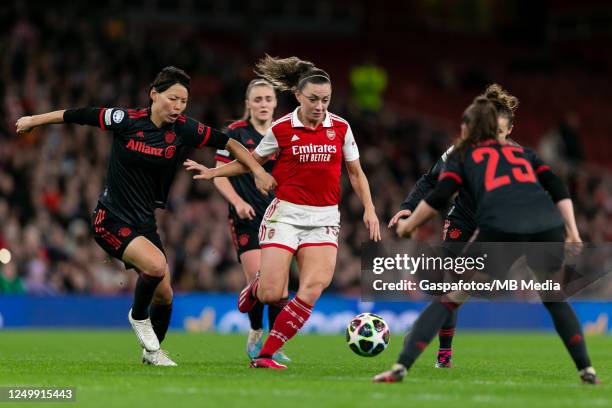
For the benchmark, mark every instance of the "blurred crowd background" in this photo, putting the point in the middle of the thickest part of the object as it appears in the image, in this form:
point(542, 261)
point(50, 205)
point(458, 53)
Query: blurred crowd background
point(402, 71)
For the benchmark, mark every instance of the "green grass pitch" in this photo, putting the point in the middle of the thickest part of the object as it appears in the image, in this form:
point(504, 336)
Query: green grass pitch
point(519, 370)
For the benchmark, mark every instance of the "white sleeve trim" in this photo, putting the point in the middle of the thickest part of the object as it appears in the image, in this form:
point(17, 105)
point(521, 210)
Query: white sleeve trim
point(446, 153)
point(268, 144)
point(224, 153)
point(349, 148)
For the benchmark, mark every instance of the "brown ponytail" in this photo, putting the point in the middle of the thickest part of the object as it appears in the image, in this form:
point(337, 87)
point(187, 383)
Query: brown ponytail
point(290, 74)
point(505, 103)
point(481, 121)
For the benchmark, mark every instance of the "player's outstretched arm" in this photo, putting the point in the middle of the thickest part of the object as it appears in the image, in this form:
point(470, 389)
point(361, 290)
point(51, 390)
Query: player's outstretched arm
point(27, 123)
point(435, 201)
point(263, 180)
point(423, 186)
point(230, 169)
point(362, 189)
point(421, 214)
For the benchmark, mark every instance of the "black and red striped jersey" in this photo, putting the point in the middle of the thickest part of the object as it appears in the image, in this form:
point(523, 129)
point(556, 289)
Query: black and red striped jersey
point(144, 158)
point(503, 179)
point(244, 184)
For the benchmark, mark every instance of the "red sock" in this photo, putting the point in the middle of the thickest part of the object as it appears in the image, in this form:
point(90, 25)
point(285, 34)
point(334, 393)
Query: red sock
point(288, 322)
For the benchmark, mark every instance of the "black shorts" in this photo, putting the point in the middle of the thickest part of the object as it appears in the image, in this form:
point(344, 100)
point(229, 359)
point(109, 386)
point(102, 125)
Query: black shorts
point(456, 230)
point(544, 251)
point(113, 234)
point(245, 235)
point(455, 234)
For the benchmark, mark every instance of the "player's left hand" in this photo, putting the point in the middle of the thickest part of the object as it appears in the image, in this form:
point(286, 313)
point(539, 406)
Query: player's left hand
point(573, 245)
point(205, 172)
point(400, 214)
point(371, 222)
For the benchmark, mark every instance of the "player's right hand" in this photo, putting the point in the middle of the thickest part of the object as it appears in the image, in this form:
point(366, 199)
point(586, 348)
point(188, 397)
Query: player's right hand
point(404, 229)
point(205, 172)
point(396, 217)
point(264, 182)
point(244, 210)
point(24, 124)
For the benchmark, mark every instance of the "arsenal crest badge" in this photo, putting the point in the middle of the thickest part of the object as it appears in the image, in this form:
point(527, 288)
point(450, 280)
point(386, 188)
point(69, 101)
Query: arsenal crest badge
point(271, 233)
point(331, 134)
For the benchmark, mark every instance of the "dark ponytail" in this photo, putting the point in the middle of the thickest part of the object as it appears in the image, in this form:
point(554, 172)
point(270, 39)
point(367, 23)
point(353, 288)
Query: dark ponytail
point(481, 121)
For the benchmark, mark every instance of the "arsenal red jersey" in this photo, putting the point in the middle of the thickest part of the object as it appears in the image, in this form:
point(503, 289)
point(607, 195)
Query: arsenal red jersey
point(309, 161)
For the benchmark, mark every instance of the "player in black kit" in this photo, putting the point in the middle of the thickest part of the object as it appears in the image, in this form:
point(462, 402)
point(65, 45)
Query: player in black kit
point(512, 206)
point(247, 205)
point(459, 223)
point(148, 146)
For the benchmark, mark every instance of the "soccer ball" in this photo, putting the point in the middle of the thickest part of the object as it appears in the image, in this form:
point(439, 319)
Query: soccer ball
point(367, 335)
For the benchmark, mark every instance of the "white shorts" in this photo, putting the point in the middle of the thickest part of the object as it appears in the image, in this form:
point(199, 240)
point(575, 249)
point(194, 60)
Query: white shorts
point(281, 227)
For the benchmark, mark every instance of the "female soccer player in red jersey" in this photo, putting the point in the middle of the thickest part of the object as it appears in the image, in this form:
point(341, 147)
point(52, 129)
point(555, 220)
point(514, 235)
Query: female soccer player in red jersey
point(247, 205)
point(148, 145)
point(303, 220)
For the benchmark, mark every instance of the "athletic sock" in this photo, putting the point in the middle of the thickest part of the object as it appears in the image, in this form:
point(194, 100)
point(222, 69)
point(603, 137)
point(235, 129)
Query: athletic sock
point(160, 319)
point(288, 322)
point(256, 316)
point(424, 330)
point(447, 331)
point(274, 309)
point(569, 329)
point(143, 294)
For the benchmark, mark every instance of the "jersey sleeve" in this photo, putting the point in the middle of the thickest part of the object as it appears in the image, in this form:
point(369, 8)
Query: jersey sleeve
point(349, 148)
point(548, 179)
point(115, 119)
point(224, 155)
point(198, 135)
point(538, 164)
point(423, 186)
point(268, 145)
point(438, 198)
point(453, 168)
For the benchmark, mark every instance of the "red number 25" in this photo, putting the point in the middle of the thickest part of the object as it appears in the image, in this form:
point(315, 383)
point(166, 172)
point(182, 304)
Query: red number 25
point(522, 171)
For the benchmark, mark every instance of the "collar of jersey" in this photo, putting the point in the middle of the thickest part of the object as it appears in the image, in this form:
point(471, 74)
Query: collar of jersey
point(488, 142)
point(295, 121)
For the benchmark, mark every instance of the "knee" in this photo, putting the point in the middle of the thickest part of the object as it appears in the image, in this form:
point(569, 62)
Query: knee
point(269, 294)
point(157, 267)
point(310, 292)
